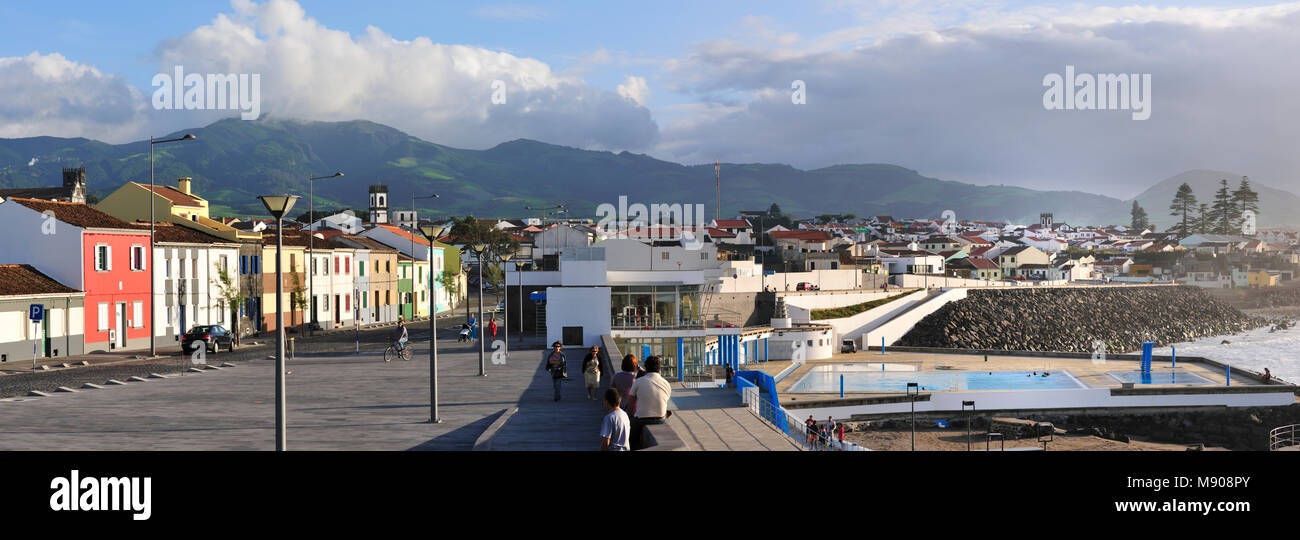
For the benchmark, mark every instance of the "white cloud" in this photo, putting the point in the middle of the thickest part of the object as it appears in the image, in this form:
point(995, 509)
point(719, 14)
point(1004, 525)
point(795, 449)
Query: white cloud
point(965, 102)
point(439, 92)
point(51, 95)
point(635, 89)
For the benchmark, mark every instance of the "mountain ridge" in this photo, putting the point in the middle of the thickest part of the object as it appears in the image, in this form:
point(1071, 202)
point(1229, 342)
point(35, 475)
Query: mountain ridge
point(233, 161)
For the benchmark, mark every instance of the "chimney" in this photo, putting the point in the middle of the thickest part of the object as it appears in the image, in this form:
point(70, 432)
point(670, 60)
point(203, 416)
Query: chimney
point(183, 184)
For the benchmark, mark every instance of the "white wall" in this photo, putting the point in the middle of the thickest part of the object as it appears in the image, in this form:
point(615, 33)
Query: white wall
point(842, 279)
point(587, 307)
point(913, 280)
point(53, 247)
point(854, 327)
point(898, 326)
point(780, 346)
point(798, 305)
point(1056, 399)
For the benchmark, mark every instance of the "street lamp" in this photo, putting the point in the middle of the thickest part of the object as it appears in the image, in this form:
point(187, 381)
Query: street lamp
point(415, 222)
point(503, 258)
point(311, 253)
point(278, 206)
point(970, 404)
point(153, 329)
point(432, 232)
point(913, 390)
point(519, 269)
point(479, 248)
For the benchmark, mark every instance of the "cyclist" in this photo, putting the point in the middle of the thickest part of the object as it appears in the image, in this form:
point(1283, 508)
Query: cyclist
point(400, 337)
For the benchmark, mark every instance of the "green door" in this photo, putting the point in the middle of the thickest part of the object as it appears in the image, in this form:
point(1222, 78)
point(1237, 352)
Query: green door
point(45, 331)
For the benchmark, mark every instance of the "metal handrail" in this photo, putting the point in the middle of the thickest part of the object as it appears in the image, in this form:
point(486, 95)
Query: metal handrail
point(1281, 437)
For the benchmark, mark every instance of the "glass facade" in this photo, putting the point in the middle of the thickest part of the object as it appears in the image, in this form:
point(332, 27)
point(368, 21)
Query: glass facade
point(659, 306)
point(666, 350)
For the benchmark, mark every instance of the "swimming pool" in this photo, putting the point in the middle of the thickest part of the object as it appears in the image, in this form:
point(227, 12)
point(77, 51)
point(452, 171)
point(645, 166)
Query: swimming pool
point(1161, 376)
point(826, 379)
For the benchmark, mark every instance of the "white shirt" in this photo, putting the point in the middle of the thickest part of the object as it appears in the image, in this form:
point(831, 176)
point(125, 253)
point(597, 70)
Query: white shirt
point(651, 392)
point(616, 427)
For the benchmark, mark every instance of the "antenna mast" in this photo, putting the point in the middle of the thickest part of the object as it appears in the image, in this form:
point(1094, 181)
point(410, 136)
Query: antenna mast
point(717, 184)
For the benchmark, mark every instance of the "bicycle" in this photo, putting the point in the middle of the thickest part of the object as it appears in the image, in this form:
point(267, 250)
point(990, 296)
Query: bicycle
point(391, 352)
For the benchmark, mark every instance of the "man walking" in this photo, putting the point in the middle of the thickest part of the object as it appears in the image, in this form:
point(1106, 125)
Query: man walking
point(555, 362)
point(651, 393)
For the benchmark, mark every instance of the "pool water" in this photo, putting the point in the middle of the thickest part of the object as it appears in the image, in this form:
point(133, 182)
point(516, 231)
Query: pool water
point(826, 379)
point(1161, 376)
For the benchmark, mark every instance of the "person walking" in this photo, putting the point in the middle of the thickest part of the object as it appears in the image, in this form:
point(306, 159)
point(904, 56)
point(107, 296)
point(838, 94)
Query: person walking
point(830, 430)
point(554, 362)
point(492, 327)
point(810, 427)
point(591, 371)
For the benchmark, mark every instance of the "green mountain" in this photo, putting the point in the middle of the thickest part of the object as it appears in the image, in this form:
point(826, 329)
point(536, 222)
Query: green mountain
point(1277, 208)
point(233, 161)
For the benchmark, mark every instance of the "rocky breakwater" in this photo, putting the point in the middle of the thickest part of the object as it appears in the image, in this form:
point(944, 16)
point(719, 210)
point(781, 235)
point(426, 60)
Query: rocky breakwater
point(1073, 319)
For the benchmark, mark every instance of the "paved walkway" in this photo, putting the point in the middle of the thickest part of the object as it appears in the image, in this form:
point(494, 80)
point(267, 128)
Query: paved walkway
point(713, 419)
point(347, 401)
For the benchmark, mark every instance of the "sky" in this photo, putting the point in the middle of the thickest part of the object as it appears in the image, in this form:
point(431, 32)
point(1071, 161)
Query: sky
point(954, 89)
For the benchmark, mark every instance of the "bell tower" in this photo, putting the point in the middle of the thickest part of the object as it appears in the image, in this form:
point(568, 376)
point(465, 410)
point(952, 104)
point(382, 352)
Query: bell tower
point(378, 203)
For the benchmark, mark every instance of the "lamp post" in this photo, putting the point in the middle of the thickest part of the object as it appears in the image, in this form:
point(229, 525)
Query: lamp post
point(503, 258)
point(479, 248)
point(912, 391)
point(153, 320)
point(431, 232)
point(519, 269)
point(970, 404)
point(415, 225)
point(278, 206)
point(311, 237)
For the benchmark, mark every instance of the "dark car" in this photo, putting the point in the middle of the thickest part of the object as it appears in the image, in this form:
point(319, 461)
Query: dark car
point(214, 338)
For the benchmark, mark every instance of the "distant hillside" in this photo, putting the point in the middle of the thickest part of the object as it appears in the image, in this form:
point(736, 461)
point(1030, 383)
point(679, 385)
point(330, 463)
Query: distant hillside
point(234, 161)
point(1277, 208)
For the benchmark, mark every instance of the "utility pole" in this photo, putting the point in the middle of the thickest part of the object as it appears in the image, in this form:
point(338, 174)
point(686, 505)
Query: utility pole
point(717, 184)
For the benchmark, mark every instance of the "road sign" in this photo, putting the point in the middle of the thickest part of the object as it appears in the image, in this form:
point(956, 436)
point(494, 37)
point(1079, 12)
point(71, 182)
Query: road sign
point(36, 312)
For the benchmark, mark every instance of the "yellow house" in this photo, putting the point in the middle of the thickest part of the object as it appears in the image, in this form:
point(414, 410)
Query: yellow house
point(1262, 278)
point(176, 204)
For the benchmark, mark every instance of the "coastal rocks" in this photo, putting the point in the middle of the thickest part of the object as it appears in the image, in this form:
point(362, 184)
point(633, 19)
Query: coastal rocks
point(1075, 319)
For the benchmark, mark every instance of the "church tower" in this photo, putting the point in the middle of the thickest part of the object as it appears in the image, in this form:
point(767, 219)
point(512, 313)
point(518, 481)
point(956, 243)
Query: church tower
point(378, 203)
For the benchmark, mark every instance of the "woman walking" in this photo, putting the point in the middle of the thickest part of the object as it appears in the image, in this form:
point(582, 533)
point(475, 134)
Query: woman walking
point(492, 327)
point(623, 383)
point(591, 372)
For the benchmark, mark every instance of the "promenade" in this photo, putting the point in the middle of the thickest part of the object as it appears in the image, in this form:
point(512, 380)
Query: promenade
point(350, 401)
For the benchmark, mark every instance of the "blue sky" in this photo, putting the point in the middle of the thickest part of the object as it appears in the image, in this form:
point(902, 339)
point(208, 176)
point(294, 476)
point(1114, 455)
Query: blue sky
point(951, 88)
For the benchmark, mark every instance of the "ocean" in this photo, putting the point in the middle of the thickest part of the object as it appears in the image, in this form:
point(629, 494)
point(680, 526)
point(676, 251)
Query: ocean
point(1255, 350)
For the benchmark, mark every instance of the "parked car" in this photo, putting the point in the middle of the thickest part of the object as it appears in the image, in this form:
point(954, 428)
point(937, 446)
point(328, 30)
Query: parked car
point(213, 337)
point(805, 286)
point(848, 346)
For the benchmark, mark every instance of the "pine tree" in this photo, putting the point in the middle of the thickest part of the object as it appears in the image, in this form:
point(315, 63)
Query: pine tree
point(1245, 199)
point(1184, 204)
point(1139, 217)
point(1223, 212)
point(1202, 223)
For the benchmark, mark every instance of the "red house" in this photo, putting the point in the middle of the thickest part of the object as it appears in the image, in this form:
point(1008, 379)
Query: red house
point(86, 249)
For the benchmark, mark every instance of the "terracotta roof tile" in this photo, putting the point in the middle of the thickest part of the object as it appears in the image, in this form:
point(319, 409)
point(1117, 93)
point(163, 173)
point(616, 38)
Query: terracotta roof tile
point(174, 195)
point(22, 279)
point(79, 214)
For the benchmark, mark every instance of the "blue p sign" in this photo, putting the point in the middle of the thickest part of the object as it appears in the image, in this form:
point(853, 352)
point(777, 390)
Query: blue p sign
point(36, 312)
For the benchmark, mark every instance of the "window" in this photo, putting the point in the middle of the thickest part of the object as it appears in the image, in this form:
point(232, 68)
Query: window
point(222, 262)
point(388, 301)
point(361, 269)
point(137, 258)
point(103, 257)
point(137, 315)
point(180, 265)
point(703, 256)
point(388, 266)
point(293, 262)
point(336, 265)
point(347, 302)
point(663, 256)
point(243, 264)
point(325, 300)
point(167, 268)
point(103, 316)
point(347, 265)
point(313, 266)
point(195, 263)
point(365, 300)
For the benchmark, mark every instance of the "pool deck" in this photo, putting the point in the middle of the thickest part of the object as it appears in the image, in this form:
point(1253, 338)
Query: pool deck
point(1083, 369)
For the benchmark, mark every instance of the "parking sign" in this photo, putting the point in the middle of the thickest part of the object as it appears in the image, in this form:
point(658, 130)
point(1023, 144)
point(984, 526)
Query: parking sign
point(36, 312)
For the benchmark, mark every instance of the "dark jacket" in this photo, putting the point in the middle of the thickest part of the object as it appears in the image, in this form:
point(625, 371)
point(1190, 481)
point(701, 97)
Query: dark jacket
point(555, 373)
